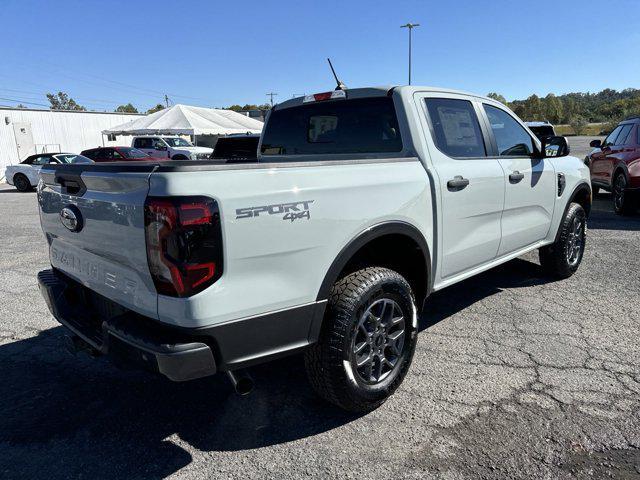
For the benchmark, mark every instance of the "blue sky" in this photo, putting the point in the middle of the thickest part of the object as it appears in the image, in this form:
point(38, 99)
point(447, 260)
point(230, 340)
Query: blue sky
point(215, 53)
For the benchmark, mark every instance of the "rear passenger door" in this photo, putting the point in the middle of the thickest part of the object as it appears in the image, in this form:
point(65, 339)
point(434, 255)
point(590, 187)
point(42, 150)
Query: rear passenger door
point(147, 145)
point(471, 185)
point(530, 184)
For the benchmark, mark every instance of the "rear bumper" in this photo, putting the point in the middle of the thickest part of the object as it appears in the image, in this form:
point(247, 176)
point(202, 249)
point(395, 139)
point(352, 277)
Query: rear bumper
point(178, 353)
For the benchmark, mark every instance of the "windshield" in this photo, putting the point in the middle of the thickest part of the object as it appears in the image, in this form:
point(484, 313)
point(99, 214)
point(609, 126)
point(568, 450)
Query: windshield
point(129, 152)
point(72, 158)
point(67, 158)
point(177, 142)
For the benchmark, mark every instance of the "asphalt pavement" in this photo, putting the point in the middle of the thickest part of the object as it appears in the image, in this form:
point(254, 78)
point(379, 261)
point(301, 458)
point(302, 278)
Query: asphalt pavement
point(515, 376)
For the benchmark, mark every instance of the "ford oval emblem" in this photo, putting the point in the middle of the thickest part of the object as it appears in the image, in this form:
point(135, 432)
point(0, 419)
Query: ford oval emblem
point(71, 218)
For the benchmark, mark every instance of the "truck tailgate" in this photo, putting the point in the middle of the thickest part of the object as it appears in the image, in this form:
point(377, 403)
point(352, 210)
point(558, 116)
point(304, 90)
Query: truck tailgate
point(94, 224)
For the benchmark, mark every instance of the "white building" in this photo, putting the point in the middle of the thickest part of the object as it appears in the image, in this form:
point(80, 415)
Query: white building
point(25, 131)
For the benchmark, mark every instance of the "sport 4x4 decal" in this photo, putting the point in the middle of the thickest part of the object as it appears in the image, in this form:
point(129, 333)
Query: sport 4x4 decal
point(292, 211)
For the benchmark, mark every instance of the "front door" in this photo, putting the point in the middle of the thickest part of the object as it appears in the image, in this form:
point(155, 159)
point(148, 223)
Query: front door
point(471, 185)
point(601, 168)
point(530, 184)
point(24, 139)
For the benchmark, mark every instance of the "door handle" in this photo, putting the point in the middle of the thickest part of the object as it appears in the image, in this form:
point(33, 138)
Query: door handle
point(458, 183)
point(516, 176)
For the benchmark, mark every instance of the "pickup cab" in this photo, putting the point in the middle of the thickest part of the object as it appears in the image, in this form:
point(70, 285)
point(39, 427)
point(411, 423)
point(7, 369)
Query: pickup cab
point(360, 204)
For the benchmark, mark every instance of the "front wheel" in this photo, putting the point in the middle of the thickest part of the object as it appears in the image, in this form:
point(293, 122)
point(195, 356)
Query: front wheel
point(367, 340)
point(21, 182)
point(562, 258)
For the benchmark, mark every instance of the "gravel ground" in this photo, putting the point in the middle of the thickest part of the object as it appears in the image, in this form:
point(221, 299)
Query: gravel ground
point(515, 376)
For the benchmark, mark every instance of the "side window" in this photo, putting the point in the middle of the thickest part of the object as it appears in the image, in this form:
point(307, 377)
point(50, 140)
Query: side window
point(116, 155)
point(41, 160)
point(612, 136)
point(622, 136)
point(143, 143)
point(512, 139)
point(157, 143)
point(103, 153)
point(456, 129)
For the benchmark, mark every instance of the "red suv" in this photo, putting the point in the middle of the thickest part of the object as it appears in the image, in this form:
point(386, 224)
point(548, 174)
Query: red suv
point(615, 165)
point(117, 154)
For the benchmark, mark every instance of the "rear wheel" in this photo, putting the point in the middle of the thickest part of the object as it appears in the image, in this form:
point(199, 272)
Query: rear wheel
point(622, 204)
point(562, 258)
point(179, 157)
point(21, 182)
point(595, 190)
point(367, 341)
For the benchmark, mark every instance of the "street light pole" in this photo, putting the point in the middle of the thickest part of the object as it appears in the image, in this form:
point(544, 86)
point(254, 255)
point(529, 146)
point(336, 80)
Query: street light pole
point(410, 26)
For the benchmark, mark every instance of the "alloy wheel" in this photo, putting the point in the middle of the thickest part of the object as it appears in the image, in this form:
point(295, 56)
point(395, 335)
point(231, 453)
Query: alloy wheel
point(575, 241)
point(618, 191)
point(379, 341)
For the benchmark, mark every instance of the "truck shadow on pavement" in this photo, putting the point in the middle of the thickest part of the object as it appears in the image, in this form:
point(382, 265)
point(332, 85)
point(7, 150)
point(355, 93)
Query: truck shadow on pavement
point(63, 417)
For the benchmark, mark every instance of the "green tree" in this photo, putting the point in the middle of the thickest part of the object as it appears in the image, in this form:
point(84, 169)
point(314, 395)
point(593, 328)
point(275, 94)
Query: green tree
point(498, 98)
point(552, 108)
point(128, 108)
point(235, 108)
point(62, 101)
point(155, 109)
point(533, 108)
point(578, 124)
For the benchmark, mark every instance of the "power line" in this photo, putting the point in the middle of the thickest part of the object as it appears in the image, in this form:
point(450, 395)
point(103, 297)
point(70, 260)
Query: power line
point(23, 101)
point(150, 92)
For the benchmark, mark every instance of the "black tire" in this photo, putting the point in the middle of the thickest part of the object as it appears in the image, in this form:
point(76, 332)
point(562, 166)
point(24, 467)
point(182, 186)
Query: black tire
point(622, 202)
point(21, 182)
point(332, 363)
point(179, 157)
point(562, 258)
point(595, 191)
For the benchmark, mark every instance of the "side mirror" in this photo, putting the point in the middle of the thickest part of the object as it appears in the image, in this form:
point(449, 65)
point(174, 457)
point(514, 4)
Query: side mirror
point(595, 144)
point(555, 147)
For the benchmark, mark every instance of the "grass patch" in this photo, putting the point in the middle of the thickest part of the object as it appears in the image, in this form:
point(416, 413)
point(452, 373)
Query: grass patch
point(591, 130)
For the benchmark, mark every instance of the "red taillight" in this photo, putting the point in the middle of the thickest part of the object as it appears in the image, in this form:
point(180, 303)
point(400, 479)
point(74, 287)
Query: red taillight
point(184, 244)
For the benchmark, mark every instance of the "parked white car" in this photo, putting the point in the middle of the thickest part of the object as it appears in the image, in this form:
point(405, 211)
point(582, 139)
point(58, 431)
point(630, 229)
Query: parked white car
point(175, 148)
point(25, 175)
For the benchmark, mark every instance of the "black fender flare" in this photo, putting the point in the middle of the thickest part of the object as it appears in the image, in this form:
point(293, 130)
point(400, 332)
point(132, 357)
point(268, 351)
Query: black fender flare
point(366, 236)
point(577, 190)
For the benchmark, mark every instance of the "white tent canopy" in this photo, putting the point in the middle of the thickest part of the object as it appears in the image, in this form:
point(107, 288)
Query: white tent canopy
point(188, 120)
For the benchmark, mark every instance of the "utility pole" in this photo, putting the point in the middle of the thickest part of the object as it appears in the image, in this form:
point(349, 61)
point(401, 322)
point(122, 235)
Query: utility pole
point(271, 95)
point(166, 100)
point(410, 26)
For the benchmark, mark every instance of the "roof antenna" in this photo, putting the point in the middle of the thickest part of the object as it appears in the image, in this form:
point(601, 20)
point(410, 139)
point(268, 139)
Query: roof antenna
point(341, 86)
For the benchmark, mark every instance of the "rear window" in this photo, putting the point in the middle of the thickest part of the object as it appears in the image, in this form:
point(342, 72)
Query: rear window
point(456, 130)
point(237, 147)
point(366, 125)
point(542, 132)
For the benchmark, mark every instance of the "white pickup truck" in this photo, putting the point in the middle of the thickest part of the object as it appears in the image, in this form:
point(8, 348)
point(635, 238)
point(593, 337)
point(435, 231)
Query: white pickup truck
point(360, 204)
point(175, 148)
